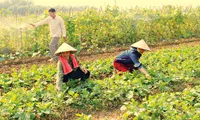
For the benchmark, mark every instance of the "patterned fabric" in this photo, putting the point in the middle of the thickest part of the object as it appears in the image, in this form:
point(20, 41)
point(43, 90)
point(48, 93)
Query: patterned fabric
point(120, 67)
point(130, 56)
point(66, 66)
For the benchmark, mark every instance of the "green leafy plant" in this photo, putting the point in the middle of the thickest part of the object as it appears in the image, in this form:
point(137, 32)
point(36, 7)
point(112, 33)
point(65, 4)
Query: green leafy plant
point(30, 93)
point(95, 31)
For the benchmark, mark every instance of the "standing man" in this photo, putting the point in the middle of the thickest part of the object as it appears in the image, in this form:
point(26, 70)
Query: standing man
point(57, 29)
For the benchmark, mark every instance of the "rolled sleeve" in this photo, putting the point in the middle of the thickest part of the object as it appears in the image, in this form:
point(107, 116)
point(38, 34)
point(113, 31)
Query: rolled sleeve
point(60, 75)
point(136, 62)
point(140, 66)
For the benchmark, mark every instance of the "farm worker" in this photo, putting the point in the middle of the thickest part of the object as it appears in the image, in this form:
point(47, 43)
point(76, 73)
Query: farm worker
point(57, 28)
point(68, 67)
point(128, 60)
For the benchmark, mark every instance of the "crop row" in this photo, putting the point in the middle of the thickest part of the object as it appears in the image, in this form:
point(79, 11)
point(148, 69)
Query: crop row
point(30, 92)
point(94, 30)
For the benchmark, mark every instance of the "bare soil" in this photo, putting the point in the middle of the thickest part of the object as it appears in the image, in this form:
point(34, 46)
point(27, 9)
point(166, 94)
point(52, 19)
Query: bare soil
point(114, 113)
point(7, 66)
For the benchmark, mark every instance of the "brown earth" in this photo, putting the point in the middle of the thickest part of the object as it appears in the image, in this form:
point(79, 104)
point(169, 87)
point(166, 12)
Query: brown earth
point(116, 113)
point(113, 114)
point(7, 66)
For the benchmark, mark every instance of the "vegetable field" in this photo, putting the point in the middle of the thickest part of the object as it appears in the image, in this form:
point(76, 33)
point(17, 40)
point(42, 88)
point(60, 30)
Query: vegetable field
point(172, 93)
point(95, 30)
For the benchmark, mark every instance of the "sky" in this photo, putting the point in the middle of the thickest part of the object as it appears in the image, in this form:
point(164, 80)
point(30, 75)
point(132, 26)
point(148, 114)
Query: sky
point(121, 3)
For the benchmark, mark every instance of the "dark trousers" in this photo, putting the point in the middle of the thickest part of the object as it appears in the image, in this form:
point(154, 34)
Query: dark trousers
point(78, 74)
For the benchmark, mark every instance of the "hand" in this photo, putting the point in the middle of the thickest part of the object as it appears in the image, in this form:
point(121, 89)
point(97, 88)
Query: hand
point(148, 76)
point(84, 70)
point(64, 38)
point(32, 24)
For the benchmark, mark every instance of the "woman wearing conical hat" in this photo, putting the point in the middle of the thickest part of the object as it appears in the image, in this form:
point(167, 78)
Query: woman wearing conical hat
point(128, 60)
point(68, 67)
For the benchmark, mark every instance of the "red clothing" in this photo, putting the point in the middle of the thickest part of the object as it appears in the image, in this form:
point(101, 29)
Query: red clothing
point(123, 67)
point(66, 67)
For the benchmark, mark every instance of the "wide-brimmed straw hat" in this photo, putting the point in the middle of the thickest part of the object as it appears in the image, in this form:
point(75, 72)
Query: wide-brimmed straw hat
point(141, 44)
point(65, 48)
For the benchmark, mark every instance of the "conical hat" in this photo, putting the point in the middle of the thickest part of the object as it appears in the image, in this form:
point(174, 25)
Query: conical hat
point(64, 48)
point(141, 44)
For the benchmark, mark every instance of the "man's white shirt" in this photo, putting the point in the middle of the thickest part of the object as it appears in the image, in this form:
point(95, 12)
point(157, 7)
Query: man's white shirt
point(57, 26)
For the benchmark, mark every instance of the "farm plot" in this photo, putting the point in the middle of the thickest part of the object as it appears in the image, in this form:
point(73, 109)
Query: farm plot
point(31, 93)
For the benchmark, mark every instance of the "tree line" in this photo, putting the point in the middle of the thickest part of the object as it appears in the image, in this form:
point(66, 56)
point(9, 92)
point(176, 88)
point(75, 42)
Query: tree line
point(24, 7)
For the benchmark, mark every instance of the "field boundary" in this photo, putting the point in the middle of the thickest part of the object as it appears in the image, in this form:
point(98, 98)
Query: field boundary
point(84, 53)
point(6, 66)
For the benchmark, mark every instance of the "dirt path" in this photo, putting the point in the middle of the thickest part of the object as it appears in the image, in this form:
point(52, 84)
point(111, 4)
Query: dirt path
point(7, 66)
point(114, 114)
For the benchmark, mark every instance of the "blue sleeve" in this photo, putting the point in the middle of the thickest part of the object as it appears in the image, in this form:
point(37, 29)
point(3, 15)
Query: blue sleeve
point(135, 60)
